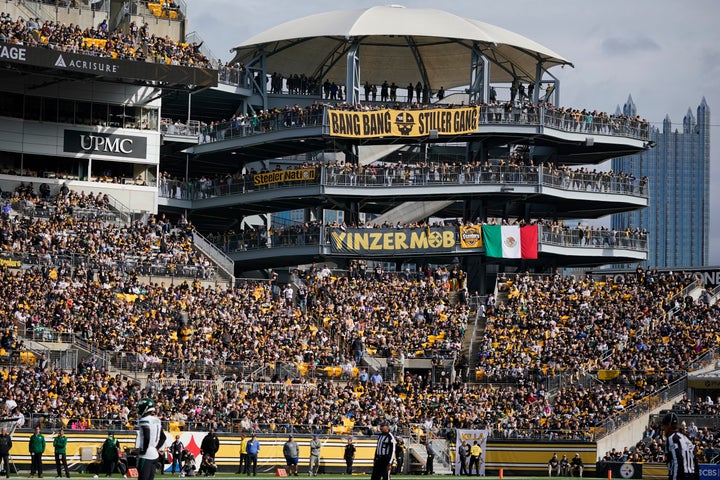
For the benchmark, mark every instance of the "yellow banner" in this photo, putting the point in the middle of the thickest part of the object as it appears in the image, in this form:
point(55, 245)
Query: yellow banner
point(296, 175)
point(10, 263)
point(608, 374)
point(471, 237)
point(403, 123)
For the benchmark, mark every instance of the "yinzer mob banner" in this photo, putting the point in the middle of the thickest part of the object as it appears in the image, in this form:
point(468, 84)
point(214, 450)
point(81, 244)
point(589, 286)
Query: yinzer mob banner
point(296, 175)
point(392, 241)
point(403, 123)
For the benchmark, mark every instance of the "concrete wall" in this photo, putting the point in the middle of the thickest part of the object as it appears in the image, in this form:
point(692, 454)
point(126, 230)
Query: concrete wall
point(632, 432)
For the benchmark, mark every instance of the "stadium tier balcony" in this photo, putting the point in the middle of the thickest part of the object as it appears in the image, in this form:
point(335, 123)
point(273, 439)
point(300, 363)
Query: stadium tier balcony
point(501, 113)
point(312, 233)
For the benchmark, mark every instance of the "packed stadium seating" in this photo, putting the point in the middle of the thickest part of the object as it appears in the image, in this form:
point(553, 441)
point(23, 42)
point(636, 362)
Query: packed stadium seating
point(585, 325)
point(75, 229)
point(267, 326)
point(135, 44)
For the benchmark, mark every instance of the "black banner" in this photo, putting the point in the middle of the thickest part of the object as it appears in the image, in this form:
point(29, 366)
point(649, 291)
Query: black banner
point(392, 241)
point(107, 67)
point(76, 141)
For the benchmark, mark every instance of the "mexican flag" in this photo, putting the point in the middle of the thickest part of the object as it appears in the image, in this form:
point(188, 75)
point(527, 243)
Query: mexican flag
point(510, 241)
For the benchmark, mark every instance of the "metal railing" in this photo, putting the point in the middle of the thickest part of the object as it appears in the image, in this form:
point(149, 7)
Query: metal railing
point(256, 239)
point(414, 176)
point(676, 301)
point(315, 115)
point(86, 213)
point(189, 129)
point(592, 238)
point(235, 75)
point(157, 268)
point(216, 255)
point(641, 407)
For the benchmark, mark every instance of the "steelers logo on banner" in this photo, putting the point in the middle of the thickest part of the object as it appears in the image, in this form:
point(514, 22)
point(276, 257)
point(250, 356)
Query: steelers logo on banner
point(435, 239)
point(405, 122)
point(627, 470)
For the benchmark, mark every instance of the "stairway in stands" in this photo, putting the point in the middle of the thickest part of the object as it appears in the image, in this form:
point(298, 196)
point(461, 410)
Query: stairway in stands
point(475, 337)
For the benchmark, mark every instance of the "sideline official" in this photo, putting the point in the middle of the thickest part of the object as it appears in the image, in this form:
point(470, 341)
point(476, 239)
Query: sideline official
point(384, 453)
point(679, 451)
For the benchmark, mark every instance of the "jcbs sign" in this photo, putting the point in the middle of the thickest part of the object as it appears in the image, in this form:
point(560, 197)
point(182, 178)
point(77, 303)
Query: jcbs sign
point(95, 143)
point(709, 471)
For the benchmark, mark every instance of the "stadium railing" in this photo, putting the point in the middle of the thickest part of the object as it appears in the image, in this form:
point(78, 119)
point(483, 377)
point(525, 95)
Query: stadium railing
point(158, 267)
point(341, 426)
point(411, 176)
point(87, 213)
point(549, 117)
point(676, 301)
point(641, 407)
point(252, 239)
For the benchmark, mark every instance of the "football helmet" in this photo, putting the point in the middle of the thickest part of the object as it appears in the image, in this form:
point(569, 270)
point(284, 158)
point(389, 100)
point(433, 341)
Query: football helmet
point(145, 406)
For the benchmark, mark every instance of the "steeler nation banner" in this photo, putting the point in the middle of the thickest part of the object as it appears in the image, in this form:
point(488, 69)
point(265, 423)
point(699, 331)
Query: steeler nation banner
point(403, 123)
point(294, 175)
point(389, 241)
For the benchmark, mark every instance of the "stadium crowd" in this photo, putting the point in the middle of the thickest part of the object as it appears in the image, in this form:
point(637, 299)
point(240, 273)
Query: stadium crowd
point(90, 397)
point(180, 325)
point(585, 326)
point(136, 44)
point(76, 229)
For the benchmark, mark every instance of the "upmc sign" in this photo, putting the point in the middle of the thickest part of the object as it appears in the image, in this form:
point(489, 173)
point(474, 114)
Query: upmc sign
point(95, 143)
point(708, 471)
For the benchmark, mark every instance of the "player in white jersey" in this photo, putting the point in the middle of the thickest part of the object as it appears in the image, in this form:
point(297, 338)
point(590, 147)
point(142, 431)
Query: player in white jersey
point(150, 438)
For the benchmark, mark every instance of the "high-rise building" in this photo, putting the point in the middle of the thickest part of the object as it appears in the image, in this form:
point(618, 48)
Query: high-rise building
point(678, 171)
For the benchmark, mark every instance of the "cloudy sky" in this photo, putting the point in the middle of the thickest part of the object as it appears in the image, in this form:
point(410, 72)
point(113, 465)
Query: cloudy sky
point(664, 53)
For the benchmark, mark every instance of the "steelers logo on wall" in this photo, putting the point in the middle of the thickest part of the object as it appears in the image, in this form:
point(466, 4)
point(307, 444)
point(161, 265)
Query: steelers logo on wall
point(405, 122)
point(627, 470)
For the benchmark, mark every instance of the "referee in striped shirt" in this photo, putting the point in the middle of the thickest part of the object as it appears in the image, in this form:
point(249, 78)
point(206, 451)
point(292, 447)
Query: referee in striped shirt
point(384, 453)
point(679, 451)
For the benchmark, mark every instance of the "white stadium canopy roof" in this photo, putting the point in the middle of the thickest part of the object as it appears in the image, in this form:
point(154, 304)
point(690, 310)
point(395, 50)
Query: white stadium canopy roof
point(393, 42)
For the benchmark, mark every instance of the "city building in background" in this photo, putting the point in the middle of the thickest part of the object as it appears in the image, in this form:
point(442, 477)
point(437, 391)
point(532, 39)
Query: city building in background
point(678, 177)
